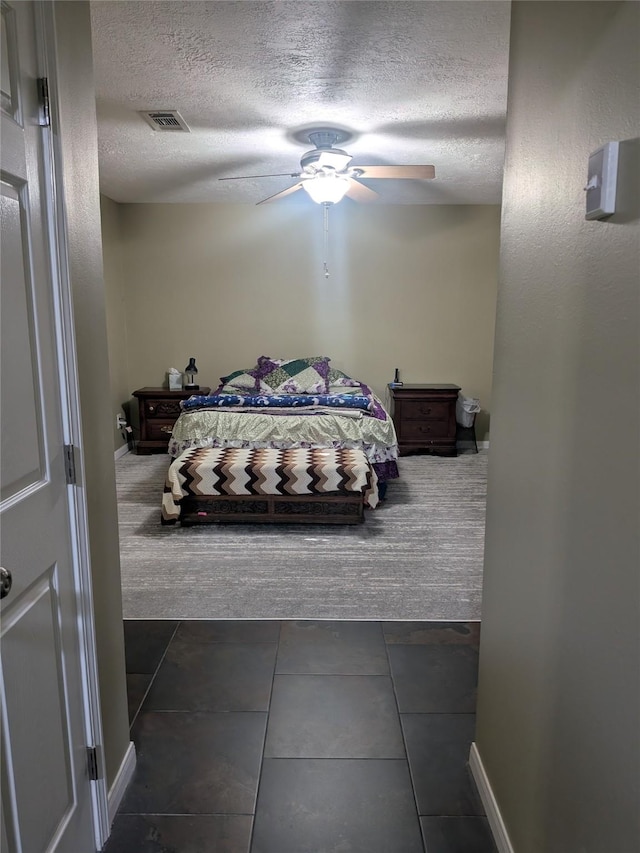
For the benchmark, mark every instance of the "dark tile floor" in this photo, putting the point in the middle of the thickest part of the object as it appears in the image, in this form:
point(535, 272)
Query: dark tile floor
point(301, 737)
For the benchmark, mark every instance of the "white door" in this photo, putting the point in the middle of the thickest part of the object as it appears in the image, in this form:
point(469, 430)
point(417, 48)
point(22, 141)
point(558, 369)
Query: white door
point(46, 790)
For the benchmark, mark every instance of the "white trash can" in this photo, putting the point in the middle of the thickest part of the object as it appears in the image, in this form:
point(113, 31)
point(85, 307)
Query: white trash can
point(466, 410)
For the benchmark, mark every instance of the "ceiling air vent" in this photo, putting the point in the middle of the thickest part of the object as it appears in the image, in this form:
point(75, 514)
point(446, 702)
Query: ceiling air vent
point(165, 120)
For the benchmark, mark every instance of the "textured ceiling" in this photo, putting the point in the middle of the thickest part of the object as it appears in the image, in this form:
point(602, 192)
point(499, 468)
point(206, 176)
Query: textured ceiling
point(413, 82)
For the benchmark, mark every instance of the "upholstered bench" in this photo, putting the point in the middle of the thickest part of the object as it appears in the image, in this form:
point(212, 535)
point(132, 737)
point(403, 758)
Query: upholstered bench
point(303, 485)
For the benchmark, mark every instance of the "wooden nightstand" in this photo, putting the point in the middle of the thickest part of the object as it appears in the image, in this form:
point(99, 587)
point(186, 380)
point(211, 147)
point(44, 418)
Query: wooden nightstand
point(425, 418)
point(158, 410)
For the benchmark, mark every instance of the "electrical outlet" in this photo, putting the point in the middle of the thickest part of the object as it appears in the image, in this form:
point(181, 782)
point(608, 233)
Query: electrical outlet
point(121, 422)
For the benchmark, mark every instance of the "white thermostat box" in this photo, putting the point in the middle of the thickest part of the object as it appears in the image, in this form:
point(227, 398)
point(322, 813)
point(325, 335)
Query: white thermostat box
point(601, 181)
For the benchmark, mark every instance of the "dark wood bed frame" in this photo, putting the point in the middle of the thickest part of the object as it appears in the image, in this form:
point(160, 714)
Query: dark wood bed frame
point(279, 509)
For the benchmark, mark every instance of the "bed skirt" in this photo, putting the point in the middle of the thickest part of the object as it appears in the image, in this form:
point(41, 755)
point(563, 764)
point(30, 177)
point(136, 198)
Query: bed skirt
point(303, 485)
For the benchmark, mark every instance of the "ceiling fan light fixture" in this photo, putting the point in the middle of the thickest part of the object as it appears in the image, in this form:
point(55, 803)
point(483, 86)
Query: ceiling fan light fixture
point(326, 189)
point(334, 158)
point(325, 158)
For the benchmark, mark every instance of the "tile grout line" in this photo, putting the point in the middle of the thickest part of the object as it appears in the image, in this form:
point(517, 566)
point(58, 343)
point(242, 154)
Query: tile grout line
point(402, 735)
point(153, 675)
point(264, 740)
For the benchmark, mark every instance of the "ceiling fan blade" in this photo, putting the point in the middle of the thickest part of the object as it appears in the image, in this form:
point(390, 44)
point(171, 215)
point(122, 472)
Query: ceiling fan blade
point(358, 192)
point(282, 194)
point(246, 177)
point(415, 172)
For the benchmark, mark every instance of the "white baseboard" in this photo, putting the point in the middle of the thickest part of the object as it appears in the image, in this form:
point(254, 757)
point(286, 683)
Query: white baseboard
point(121, 451)
point(120, 783)
point(496, 823)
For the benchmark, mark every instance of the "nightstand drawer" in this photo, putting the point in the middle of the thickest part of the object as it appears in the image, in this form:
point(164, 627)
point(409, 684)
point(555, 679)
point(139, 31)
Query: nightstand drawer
point(164, 409)
point(159, 430)
point(420, 410)
point(424, 430)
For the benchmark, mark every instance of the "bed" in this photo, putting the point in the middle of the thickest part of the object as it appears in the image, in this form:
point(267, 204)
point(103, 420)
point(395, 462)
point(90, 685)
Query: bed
point(300, 406)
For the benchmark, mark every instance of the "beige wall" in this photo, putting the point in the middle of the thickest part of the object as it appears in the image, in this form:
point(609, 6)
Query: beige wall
point(115, 292)
point(558, 697)
point(411, 287)
point(78, 140)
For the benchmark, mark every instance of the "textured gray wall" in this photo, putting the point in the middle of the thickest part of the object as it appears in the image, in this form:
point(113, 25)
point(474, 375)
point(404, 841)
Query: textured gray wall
point(558, 699)
point(80, 186)
point(115, 290)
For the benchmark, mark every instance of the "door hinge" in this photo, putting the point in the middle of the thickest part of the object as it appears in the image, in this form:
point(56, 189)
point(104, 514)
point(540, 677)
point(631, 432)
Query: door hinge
point(70, 464)
point(44, 118)
point(92, 763)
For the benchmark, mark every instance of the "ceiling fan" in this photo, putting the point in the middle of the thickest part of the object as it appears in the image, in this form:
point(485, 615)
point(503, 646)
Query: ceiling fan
point(327, 176)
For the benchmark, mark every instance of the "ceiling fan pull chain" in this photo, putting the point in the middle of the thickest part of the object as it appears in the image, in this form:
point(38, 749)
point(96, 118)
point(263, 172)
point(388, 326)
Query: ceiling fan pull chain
point(326, 238)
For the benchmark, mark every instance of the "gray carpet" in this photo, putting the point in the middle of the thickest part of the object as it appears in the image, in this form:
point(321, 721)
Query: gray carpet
point(417, 556)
